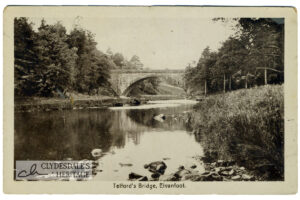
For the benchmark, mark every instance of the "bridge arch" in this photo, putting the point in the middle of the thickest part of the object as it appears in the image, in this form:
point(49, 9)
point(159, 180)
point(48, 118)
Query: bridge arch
point(136, 82)
point(123, 80)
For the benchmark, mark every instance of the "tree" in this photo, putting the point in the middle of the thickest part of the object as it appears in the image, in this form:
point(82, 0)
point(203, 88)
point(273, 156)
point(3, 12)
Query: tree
point(56, 59)
point(25, 60)
point(265, 40)
point(92, 66)
point(189, 73)
point(135, 63)
point(109, 53)
point(199, 78)
point(49, 61)
point(99, 72)
point(203, 70)
point(253, 56)
point(119, 60)
point(78, 38)
point(231, 60)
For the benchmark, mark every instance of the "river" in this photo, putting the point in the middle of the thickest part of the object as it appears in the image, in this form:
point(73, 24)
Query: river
point(128, 136)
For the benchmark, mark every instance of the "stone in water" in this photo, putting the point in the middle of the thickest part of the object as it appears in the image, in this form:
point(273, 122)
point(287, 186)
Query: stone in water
point(96, 152)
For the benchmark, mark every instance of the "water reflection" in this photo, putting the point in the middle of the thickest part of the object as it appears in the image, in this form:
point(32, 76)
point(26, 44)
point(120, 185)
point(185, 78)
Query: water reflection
point(172, 121)
point(61, 135)
point(125, 136)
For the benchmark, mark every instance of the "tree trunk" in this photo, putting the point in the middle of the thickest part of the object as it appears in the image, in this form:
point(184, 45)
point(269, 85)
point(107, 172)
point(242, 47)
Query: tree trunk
point(266, 77)
point(246, 81)
point(224, 84)
point(230, 83)
point(205, 87)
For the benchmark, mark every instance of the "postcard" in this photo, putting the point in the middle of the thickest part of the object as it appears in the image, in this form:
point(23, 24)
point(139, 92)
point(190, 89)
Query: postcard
point(150, 100)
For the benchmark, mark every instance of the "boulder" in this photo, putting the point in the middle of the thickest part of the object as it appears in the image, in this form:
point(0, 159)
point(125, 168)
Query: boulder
point(199, 98)
point(133, 175)
point(193, 177)
point(135, 102)
point(156, 167)
point(211, 177)
point(220, 163)
point(169, 177)
point(96, 153)
point(144, 178)
point(223, 163)
point(206, 173)
point(193, 166)
point(224, 173)
point(118, 104)
point(189, 175)
point(216, 177)
point(183, 172)
point(155, 175)
point(207, 177)
point(214, 164)
point(236, 178)
point(160, 117)
point(231, 172)
point(219, 169)
point(125, 164)
point(247, 177)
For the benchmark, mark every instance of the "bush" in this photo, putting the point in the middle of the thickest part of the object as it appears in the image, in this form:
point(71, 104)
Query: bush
point(245, 125)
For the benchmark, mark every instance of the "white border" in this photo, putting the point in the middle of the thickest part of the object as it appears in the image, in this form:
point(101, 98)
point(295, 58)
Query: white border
point(3, 3)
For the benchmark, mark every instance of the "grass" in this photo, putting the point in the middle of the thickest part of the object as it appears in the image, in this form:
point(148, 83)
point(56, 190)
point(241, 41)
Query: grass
point(163, 89)
point(167, 89)
point(244, 125)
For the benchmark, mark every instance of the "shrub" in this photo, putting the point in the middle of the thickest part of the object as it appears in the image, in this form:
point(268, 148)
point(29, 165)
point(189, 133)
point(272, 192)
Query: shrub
point(245, 125)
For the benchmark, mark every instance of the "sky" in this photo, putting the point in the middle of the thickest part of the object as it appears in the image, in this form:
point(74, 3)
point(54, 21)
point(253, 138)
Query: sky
point(160, 43)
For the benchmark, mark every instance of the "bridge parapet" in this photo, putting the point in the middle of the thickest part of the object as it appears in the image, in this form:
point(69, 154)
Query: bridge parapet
point(123, 80)
point(130, 71)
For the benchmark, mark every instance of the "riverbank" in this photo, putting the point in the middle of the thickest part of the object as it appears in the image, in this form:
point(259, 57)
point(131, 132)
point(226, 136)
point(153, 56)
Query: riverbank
point(51, 104)
point(217, 171)
point(34, 104)
point(246, 126)
point(242, 135)
point(162, 97)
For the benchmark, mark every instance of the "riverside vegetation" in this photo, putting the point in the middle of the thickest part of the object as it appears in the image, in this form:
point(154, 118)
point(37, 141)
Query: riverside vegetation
point(246, 126)
point(242, 134)
point(51, 62)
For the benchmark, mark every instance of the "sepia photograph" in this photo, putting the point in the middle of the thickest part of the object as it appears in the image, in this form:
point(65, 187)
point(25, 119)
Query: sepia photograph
point(145, 98)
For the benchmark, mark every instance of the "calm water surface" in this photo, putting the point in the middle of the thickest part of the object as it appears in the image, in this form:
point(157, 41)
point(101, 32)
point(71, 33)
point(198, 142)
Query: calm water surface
point(126, 135)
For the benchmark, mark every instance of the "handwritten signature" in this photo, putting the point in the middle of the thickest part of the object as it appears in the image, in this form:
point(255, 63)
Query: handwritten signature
point(31, 172)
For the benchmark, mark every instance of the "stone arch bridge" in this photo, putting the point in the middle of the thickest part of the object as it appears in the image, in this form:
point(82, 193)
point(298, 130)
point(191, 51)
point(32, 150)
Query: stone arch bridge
point(122, 81)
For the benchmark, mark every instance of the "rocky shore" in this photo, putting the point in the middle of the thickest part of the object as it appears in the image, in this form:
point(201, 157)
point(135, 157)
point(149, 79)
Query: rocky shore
point(216, 171)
